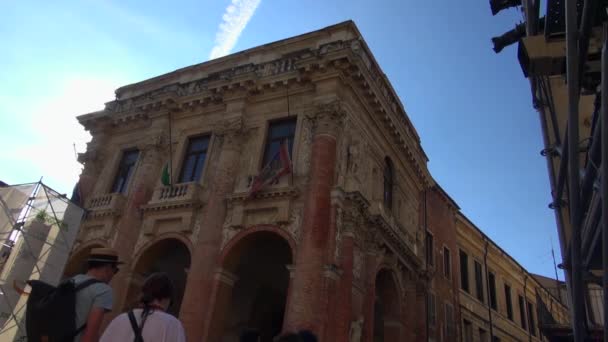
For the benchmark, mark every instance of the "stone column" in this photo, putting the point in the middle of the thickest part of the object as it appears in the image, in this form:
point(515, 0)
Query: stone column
point(306, 296)
point(219, 304)
point(370, 297)
point(195, 310)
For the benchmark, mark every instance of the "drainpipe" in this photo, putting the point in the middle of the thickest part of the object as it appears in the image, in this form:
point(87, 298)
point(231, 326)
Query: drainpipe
point(485, 262)
point(526, 304)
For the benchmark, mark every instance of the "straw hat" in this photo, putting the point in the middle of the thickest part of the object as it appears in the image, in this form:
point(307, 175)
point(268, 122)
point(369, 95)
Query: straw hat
point(108, 255)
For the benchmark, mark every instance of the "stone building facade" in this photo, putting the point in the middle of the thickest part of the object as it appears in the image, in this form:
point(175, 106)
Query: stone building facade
point(336, 246)
point(357, 243)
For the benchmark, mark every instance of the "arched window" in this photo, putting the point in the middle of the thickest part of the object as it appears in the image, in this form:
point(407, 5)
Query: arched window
point(388, 183)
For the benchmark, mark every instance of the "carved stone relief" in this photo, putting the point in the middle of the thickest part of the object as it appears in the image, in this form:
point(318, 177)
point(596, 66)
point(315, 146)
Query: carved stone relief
point(294, 225)
point(357, 263)
point(339, 229)
point(304, 152)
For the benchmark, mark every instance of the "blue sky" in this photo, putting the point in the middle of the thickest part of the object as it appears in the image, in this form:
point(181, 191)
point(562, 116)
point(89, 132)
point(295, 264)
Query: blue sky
point(471, 107)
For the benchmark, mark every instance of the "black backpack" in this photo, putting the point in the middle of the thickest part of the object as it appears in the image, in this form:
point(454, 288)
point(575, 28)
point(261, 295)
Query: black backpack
point(51, 311)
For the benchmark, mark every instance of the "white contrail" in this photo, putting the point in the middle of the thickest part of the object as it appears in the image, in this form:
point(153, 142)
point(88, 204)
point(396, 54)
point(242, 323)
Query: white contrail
point(234, 20)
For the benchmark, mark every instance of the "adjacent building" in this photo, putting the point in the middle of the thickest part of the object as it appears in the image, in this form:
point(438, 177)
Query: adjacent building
point(498, 297)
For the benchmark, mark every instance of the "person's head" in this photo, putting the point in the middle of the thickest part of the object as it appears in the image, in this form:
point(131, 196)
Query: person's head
point(250, 336)
point(157, 288)
point(103, 264)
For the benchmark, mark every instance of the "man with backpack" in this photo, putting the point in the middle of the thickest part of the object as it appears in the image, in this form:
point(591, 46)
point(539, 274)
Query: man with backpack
point(95, 300)
point(73, 310)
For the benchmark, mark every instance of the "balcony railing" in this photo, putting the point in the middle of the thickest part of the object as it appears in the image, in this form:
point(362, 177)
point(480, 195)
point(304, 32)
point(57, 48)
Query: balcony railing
point(106, 204)
point(182, 194)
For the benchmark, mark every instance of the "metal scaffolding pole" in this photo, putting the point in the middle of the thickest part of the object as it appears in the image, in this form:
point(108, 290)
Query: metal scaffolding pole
point(572, 74)
point(604, 174)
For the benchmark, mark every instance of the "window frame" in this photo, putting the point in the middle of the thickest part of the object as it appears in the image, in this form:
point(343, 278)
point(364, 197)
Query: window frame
point(429, 252)
point(432, 308)
point(187, 153)
point(522, 312)
point(531, 319)
point(492, 295)
point(447, 266)
point(467, 324)
point(479, 291)
point(464, 279)
point(124, 187)
point(265, 154)
point(509, 302)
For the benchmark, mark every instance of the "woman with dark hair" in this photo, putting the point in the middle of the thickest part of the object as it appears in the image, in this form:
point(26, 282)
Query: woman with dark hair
point(150, 322)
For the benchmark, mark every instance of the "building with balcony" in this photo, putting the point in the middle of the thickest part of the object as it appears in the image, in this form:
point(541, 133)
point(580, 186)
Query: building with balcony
point(336, 246)
point(356, 242)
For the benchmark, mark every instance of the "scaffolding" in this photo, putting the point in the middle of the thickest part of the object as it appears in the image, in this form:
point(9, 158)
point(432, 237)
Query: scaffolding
point(564, 55)
point(38, 227)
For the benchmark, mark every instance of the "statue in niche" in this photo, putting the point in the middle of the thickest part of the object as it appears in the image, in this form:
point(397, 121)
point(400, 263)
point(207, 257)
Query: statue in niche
point(355, 330)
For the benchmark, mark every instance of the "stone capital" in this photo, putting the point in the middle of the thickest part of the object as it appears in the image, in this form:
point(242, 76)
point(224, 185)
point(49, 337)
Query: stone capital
point(327, 118)
point(231, 132)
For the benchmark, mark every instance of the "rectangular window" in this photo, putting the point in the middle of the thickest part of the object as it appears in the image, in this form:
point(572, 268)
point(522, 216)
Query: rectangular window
point(531, 322)
point(464, 271)
point(478, 281)
point(492, 281)
point(429, 249)
point(431, 309)
point(125, 171)
point(449, 322)
point(483, 335)
point(522, 312)
point(447, 263)
point(509, 302)
point(278, 131)
point(194, 160)
point(467, 331)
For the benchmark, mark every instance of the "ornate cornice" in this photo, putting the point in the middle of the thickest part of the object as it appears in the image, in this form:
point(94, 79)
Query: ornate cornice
point(350, 57)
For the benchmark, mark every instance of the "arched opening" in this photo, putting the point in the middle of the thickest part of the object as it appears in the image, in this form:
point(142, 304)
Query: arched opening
point(77, 263)
point(170, 256)
point(256, 298)
point(387, 322)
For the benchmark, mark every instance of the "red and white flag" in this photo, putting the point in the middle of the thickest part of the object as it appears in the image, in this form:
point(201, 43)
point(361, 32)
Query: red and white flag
point(279, 165)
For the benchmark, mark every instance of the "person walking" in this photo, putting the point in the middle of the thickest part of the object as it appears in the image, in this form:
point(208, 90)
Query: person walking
point(94, 300)
point(150, 323)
